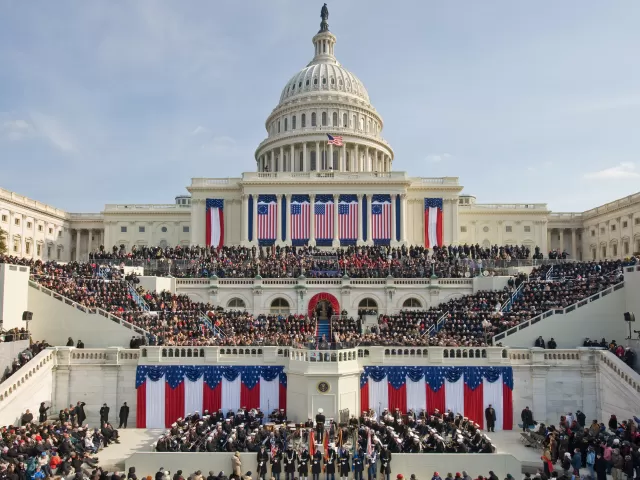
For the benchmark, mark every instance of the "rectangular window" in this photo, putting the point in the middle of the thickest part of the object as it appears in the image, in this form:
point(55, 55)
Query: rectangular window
point(463, 229)
point(59, 252)
point(50, 231)
point(27, 248)
point(4, 218)
point(508, 228)
point(40, 228)
point(59, 233)
point(625, 247)
point(625, 224)
point(123, 229)
point(604, 252)
point(39, 250)
point(615, 250)
point(593, 233)
point(602, 230)
point(527, 229)
point(17, 221)
point(48, 252)
point(637, 221)
point(185, 229)
point(613, 228)
point(29, 225)
point(140, 229)
point(16, 246)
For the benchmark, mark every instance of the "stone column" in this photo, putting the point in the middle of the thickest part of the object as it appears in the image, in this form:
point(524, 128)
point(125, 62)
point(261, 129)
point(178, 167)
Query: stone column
point(343, 162)
point(393, 218)
point(278, 218)
point(574, 252)
point(561, 239)
point(312, 223)
point(403, 218)
point(254, 220)
point(454, 224)
point(548, 249)
point(539, 392)
point(271, 162)
point(318, 159)
point(336, 225)
point(369, 239)
point(305, 166)
point(244, 221)
point(282, 167)
point(292, 165)
point(356, 162)
point(360, 217)
point(78, 233)
point(89, 241)
point(288, 218)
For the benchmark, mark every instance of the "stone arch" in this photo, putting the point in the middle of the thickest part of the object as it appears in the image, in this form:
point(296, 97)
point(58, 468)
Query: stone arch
point(323, 296)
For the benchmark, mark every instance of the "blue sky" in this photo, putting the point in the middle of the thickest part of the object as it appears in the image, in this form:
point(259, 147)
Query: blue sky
point(125, 101)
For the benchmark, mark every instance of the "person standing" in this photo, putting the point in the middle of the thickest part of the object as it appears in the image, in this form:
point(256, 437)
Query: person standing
point(330, 463)
point(82, 416)
point(290, 458)
point(104, 413)
point(372, 473)
point(527, 418)
point(320, 420)
point(344, 464)
point(236, 465)
point(316, 464)
point(43, 412)
point(490, 416)
point(124, 415)
point(262, 458)
point(385, 462)
point(358, 465)
point(303, 464)
point(276, 464)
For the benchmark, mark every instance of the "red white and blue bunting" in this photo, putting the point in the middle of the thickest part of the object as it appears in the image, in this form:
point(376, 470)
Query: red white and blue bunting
point(463, 390)
point(166, 393)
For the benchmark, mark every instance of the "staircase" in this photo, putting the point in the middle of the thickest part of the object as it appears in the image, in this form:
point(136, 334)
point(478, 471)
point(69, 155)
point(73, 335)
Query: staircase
point(137, 298)
point(323, 328)
point(207, 322)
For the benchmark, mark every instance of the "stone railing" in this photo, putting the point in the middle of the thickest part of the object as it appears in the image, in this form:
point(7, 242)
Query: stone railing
point(206, 182)
point(623, 371)
point(149, 206)
point(388, 281)
point(82, 308)
point(326, 174)
point(557, 311)
point(11, 385)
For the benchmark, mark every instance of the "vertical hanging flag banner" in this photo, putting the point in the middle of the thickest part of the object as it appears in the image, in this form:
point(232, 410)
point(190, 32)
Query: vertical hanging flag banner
point(167, 393)
point(348, 219)
point(433, 226)
point(215, 222)
point(323, 218)
point(381, 219)
point(267, 219)
point(300, 218)
point(467, 391)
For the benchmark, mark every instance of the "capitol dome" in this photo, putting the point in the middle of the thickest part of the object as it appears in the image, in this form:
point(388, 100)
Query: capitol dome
point(324, 120)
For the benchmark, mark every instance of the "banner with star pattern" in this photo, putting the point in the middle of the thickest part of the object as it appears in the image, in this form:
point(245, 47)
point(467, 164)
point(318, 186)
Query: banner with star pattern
point(467, 391)
point(166, 393)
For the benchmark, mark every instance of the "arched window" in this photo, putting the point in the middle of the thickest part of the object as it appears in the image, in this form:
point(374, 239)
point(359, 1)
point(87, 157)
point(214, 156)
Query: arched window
point(315, 81)
point(368, 306)
point(236, 303)
point(345, 120)
point(280, 307)
point(333, 81)
point(286, 124)
point(303, 121)
point(334, 120)
point(313, 119)
point(412, 303)
point(324, 119)
point(312, 168)
point(293, 122)
point(301, 162)
point(307, 84)
point(324, 80)
point(361, 123)
point(354, 122)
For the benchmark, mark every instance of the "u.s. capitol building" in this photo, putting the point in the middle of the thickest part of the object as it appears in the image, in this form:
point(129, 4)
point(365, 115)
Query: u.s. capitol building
point(324, 176)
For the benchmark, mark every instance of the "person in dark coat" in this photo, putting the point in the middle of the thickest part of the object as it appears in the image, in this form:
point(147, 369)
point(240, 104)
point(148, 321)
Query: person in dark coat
point(527, 418)
point(581, 418)
point(490, 416)
point(131, 475)
point(303, 464)
point(124, 415)
point(70, 342)
point(27, 417)
point(262, 459)
point(316, 465)
point(601, 467)
point(290, 458)
point(385, 463)
point(276, 464)
point(344, 464)
point(358, 465)
point(43, 412)
point(104, 414)
point(82, 416)
point(330, 463)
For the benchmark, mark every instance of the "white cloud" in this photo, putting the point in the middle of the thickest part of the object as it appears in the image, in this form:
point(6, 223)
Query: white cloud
point(199, 130)
point(623, 170)
point(50, 128)
point(15, 129)
point(438, 157)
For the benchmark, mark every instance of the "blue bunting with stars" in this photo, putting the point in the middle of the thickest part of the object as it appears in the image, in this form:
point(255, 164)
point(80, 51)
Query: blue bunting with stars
point(436, 376)
point(175, 374)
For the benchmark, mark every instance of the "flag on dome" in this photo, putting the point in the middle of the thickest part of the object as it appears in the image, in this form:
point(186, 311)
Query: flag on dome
point(215, 222)
point(334, 140)
point(166, 393)
point(267, 219)
point(467, 391)
point(433, 226)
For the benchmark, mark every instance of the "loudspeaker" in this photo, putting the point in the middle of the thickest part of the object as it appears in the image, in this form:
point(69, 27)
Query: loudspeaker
point(27, 316)
point(629, 317)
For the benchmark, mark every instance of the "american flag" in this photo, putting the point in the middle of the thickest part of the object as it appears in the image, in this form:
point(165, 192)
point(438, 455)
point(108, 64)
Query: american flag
point(300, 219)
point(348, 217)
point(323, 216)
point(337, 141)
point(267, 217)
point(381, 218)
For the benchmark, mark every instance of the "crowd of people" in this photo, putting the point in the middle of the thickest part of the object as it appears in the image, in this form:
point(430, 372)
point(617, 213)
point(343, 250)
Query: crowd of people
point(23, 357)
point(41, 448)
point(602, 449)
point(291, 262)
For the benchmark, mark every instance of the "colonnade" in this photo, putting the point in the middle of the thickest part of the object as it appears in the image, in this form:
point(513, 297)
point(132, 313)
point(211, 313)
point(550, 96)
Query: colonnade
point(285, 237)
point(318, 156)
